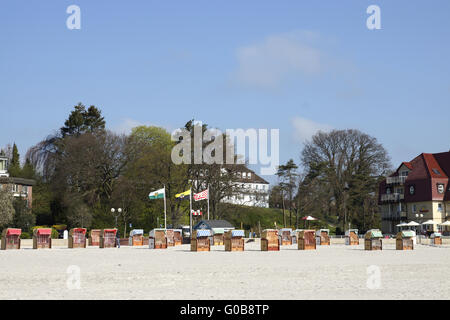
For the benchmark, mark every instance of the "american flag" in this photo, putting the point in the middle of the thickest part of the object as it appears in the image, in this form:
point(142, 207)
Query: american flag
point(201, 195)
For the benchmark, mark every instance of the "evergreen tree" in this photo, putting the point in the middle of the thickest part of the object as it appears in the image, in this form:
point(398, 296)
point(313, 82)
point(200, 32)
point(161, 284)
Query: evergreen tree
point(288, 176)
point(28, 171)
point(81, 121)
point(23, 218)
point(14, 167)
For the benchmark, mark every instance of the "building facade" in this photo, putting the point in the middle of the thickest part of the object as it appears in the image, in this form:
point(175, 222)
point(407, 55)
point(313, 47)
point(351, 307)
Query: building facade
point(250, 190)
point(417, 191)
point(19, 187)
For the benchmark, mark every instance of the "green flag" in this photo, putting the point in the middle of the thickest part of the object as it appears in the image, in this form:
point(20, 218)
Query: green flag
point(158, 194)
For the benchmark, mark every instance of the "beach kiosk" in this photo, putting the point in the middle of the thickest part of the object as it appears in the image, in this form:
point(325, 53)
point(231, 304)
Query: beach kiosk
point(234, 240)
point(270, 240)
point(436, 238)
point(169, 237)
point(200, 240)
point(306, 240)
point(218, 236)
point(177, 237)
point(157, 239)
point(77, 238)
point(94, 237)
point(322, 237)
point(286, 236)
point(42, 238)
point(11, 238)
point(108, 238)
point(404, 240)
point(351, 237)
point(372, 240)
point(136, 237)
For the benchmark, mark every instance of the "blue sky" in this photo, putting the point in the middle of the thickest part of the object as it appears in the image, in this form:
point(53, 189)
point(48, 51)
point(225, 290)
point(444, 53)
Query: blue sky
point(298, 66)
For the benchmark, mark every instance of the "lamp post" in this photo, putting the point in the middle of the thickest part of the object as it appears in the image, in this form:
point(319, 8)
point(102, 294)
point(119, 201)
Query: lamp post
point(119, 210)
point(419, 215)
point(346, 189)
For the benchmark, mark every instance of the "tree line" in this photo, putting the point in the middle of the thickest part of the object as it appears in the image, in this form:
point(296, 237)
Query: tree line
point(336, 181)
point(83, 170)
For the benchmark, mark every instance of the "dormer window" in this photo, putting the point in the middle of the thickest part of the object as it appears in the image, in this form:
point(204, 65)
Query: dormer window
point(436, 171)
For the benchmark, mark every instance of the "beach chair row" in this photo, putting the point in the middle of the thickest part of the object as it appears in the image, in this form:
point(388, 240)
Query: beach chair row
point(201, 240)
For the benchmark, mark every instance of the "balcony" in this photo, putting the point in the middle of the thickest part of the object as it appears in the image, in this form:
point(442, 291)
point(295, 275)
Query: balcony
point(394, 216)
point(396, 180)
point(392, 197)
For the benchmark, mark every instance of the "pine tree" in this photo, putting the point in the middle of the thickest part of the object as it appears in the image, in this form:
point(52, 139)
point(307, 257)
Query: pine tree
point(28, 171)
point(14, 167)
point(81, 121)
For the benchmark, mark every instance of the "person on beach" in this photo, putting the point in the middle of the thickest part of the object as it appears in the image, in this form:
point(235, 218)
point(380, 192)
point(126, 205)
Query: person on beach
point(118, 238)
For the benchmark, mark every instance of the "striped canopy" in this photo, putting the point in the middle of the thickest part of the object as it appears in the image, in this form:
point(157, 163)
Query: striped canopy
point(237, 233)
point(136, 232)
point(203, 233)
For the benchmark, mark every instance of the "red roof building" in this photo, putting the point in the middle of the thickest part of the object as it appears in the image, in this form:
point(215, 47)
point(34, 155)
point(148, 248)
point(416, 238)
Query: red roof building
point(417, 191)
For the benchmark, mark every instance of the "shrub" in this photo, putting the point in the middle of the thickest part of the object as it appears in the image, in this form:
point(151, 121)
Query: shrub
point(25, 235)
point(55, 233)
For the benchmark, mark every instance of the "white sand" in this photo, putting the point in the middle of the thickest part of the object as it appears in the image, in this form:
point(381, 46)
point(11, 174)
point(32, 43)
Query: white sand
point(330, 272)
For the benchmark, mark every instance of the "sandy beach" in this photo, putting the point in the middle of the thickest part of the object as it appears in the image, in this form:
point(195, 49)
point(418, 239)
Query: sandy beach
point(330, 272)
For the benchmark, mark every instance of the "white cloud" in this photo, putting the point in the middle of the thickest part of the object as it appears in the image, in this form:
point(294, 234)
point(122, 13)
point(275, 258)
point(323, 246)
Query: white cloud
point(278, 57)
point(127, 125)
point(304, 128)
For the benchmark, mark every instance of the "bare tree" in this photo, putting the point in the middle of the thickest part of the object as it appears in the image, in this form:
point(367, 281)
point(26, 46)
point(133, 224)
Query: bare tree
point(345, 164)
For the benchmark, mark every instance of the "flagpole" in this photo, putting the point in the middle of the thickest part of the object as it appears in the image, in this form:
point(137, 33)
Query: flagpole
point(165, 210)
point(208, 202)
point(190, 209)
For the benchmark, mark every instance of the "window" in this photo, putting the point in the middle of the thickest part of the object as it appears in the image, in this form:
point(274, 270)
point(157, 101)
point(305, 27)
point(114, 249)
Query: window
point(15, 188)
point(440, 188)
point(440, 207)
point(404, 173)
point(436, 171)
point(249, 175)
point(414, 208)
point(24, 189)
point(244, 174)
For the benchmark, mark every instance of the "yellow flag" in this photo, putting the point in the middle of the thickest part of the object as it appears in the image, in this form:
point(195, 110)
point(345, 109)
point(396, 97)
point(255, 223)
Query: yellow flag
point(182, 195)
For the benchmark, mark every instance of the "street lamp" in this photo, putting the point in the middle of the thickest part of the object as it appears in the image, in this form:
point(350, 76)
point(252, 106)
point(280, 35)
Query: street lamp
point(419, 215)
point(346, 189)
point(119, 210)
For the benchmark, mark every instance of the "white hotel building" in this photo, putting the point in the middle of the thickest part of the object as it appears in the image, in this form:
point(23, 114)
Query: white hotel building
point(250, 190)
